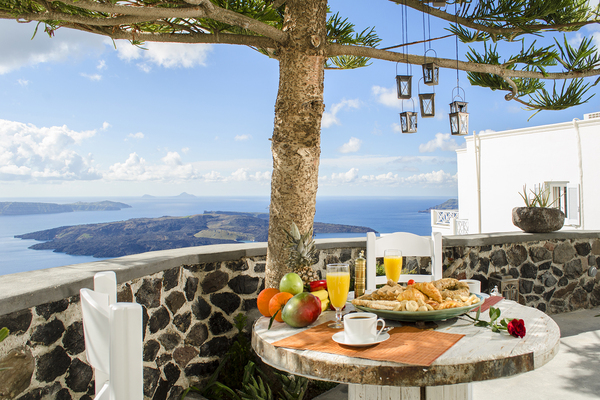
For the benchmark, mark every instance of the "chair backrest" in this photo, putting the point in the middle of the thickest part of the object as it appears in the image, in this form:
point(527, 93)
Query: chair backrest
point(113, 340)
point(410, 245)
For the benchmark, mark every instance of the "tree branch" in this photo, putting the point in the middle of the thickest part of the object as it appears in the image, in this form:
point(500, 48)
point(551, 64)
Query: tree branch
point(333, 50)
point(76, 19)
point(212, 12)
point(493, 30)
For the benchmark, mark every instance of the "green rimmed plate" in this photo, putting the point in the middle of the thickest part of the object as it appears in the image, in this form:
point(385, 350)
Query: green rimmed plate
point(435, 315)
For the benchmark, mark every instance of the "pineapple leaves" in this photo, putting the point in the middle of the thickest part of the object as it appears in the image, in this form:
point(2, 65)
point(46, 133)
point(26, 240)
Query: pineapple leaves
point(301, 247)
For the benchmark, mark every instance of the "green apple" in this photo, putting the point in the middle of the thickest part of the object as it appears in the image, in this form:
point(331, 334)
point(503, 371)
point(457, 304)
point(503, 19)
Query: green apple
point(291, 283)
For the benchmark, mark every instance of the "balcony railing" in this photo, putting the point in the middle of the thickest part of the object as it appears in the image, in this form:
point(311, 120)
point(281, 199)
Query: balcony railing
point(447, 222)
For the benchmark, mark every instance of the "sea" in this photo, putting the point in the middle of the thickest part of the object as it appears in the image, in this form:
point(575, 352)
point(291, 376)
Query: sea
point(383, 214)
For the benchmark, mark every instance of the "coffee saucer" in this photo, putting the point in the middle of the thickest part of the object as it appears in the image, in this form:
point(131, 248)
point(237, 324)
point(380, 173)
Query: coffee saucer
point(340, 337)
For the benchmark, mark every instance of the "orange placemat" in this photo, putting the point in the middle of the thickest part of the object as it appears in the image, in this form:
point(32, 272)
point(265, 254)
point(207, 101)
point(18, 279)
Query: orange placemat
point(406, 345)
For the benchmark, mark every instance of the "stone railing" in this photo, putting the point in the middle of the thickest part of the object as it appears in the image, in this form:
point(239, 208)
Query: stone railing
point(190, 297)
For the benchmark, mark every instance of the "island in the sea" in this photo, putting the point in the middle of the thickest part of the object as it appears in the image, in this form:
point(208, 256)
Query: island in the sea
point(140, 235)
point(451, 204)
point(26, 208)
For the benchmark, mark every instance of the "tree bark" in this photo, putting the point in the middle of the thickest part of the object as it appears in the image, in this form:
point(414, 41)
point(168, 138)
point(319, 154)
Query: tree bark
point(296, 135)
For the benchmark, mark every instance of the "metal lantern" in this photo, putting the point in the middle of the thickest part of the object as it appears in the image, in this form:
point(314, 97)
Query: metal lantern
point(507, 284)
point(431, 72)
point(408, 121)
point(404, 83)
point(427, 104)
point(459, 118)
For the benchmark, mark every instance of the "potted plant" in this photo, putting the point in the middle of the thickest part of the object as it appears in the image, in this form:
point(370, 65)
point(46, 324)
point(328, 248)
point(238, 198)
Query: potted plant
point(538, 215)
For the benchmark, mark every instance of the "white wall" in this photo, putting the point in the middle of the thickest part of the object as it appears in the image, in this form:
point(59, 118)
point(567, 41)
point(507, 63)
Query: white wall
point(510, 159)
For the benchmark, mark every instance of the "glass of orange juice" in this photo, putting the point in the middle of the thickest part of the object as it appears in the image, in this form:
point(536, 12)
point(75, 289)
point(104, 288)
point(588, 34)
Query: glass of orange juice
point(338, 285)
point(392, 261)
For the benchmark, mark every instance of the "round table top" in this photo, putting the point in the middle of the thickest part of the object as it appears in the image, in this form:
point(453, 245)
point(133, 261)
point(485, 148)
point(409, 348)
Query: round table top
point(480, 355)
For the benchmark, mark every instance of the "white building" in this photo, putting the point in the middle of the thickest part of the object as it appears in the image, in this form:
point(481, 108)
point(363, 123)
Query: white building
point(563, 157)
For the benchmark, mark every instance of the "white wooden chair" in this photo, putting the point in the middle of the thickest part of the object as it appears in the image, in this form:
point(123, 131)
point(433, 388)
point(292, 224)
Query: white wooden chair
point(410, 245)
point(113, 340)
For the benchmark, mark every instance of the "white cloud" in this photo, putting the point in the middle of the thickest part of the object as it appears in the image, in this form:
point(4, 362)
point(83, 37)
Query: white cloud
point(386, 96)
point(352, 146)
point(135, 168)
point(330, 116)
point(92, 77)
point(436, 178)
point(185, 150)
point(19, 50)
point(172, 169)
point(31, 153)
point(212, 176)
point(105, 125)
point(344, 177)
point(167, 55)
point(172, 158)
point(23, 82)
point(242, 175)
point(101, 65)
point(442, 141)
point(138, 135)
point(239, 138)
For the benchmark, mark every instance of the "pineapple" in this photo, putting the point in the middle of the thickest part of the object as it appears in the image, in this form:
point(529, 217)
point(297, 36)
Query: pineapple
point(302, 250)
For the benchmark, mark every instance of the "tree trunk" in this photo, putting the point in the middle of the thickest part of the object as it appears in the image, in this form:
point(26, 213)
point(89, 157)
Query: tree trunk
point(296, 136)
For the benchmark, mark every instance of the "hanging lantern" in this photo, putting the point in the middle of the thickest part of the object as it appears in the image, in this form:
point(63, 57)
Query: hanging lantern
point(459, 118)
point(404, 83)
point(431, 71)
point(408, 121)
point(427, 103)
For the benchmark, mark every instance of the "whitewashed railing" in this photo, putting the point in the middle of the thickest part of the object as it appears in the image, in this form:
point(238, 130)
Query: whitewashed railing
point(448, 223)
point(442, 217)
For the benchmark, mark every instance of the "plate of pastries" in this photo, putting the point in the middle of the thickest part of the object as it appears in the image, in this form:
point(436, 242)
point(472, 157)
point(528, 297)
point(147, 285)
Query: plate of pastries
point(420, 301)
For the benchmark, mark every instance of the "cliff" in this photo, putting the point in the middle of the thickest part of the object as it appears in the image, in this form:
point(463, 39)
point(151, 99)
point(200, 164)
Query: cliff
point(24, 208)
point(139, 235)
point(451, 204)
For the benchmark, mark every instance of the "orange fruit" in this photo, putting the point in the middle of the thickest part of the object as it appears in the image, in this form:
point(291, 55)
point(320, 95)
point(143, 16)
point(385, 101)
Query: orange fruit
point(262, 301)
point(277, 302)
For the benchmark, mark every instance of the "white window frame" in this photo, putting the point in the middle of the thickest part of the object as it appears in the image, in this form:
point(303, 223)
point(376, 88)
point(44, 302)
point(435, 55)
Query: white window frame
point(573, 205)
point(565, 197)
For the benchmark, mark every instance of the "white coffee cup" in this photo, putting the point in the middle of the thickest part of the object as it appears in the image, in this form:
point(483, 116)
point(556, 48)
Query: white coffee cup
point(361, 327)
point(474, 285)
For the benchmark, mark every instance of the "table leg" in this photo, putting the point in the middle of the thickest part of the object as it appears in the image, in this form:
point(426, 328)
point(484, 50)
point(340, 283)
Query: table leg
point(461, 391)
point(373, 392)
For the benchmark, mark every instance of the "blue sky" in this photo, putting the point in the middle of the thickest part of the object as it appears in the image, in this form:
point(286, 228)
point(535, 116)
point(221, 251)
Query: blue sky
point(81, 118)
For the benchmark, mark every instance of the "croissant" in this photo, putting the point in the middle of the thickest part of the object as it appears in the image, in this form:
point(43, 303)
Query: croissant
point(412, 294)
point(429, 289)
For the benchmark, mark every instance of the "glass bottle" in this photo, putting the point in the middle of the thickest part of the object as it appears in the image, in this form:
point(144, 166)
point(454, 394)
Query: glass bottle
point(360, 271)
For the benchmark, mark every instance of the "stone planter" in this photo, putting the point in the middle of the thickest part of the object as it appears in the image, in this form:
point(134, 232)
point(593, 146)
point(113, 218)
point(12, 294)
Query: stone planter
point(538, 219)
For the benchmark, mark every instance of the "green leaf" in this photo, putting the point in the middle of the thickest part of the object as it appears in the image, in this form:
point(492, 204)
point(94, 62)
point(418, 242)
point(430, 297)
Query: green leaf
point(494, 314)
point(273, 317)
point(4, 333)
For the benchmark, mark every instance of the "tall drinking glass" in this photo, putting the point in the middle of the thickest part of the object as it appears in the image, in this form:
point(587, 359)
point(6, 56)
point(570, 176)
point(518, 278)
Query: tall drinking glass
point(392, 261)
point(338, 285)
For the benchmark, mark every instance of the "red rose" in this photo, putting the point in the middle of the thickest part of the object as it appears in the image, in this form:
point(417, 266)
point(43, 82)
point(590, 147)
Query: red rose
point(516, 327)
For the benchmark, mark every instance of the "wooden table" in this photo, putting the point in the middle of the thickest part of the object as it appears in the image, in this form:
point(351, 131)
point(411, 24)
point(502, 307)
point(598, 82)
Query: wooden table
point(480, 355)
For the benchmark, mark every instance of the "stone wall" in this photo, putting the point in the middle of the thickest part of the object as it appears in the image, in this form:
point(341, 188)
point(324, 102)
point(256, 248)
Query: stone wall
point(552, 271)
point(188, 314)
point(190, 297)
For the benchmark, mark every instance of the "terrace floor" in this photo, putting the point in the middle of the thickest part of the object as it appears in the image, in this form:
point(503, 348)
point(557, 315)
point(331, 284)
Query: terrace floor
point(572, 374)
